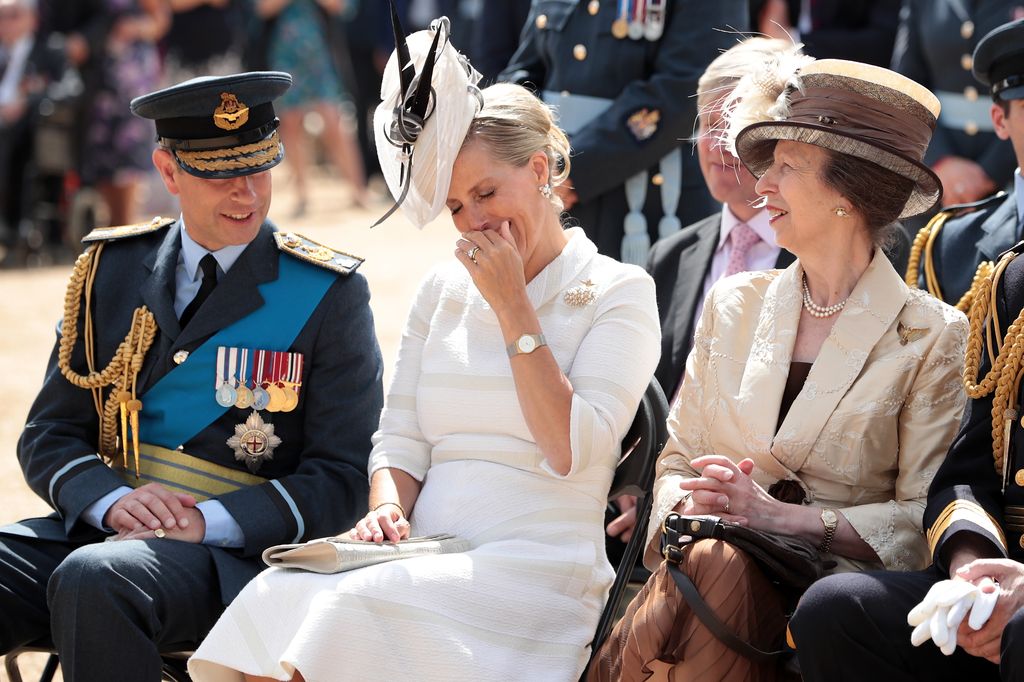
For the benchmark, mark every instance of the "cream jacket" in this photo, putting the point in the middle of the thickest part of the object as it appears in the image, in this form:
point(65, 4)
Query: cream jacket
point(866, 434)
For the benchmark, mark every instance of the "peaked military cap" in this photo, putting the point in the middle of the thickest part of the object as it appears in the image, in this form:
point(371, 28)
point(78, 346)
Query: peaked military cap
point(999, 61)
point(219, 127)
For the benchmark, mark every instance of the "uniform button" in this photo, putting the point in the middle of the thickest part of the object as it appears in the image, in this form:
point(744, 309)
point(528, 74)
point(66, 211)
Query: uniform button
point(580, 52)
point(180, 356)
point(966, 62)
point(971, 128)
point(564, 93)
point(1019, 477)
point(658, 179)
point(1021, 542)
point(542, 21)
point(594, 7)
point(971, 93)
point(967, 30)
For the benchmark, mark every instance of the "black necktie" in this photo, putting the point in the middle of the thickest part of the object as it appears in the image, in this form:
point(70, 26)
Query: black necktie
point(208, 265)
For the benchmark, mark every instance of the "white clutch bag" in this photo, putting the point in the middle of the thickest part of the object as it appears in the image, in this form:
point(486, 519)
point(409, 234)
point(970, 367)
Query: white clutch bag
point(340, 553)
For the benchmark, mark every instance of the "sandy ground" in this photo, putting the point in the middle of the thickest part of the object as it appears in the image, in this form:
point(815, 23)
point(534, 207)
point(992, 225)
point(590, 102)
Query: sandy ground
point(397, 256)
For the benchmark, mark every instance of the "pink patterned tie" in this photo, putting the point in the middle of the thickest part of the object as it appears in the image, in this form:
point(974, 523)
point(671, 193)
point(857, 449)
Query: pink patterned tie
point(742, 238)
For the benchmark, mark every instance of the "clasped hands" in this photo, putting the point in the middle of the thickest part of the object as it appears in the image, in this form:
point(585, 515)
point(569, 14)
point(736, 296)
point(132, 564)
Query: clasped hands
point(138, 515)
point(726, 489)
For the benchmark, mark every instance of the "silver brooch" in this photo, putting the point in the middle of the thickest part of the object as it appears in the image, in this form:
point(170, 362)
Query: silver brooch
point(254, 442)
point(580, 296)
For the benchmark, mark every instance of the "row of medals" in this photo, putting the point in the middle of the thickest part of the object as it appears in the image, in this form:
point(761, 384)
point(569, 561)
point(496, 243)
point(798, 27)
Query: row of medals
point(650, 27)
point(281, 396)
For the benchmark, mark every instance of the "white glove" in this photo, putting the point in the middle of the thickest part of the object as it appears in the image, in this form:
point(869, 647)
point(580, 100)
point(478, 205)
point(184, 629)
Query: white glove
point(940, 613)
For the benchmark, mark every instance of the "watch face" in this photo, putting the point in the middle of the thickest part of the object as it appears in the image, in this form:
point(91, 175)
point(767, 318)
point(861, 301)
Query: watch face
point(526, 344)
point(829, 516)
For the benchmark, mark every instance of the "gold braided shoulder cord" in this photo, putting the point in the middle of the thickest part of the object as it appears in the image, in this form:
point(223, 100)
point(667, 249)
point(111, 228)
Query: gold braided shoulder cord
point(924, 243)
point(121, 374)
point(1007, 369)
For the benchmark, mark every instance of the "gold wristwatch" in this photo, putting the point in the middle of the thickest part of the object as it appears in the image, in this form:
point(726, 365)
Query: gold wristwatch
point(830, 518)
point(527, 343)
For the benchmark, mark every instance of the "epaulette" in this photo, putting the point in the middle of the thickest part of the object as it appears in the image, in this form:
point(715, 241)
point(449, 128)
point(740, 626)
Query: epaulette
point(316, 253)
point(107, 234)
point(957, 209)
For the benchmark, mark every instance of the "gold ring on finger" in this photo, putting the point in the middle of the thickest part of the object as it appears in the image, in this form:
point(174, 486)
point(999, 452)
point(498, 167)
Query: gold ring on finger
point(472, 253)
point(160, 533)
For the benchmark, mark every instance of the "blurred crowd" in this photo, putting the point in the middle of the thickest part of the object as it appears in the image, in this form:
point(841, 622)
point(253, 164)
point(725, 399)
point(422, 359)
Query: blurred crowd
point(72, 157)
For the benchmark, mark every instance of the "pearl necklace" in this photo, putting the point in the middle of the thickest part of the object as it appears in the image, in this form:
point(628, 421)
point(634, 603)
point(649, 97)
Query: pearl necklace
point(816, 310)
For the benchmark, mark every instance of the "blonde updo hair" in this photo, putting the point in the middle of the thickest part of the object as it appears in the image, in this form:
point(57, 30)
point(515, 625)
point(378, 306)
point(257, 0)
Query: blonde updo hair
point(514, 125)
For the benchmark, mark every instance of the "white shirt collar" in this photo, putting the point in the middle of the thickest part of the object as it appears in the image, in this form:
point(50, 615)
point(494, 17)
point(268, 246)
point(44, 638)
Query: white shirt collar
point(192, 253)
point(758, 223)
point(1018, 191)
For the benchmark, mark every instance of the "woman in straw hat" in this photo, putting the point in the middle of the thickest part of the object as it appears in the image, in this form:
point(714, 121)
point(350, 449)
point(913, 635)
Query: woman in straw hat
point(520, 370)
point(818, 400)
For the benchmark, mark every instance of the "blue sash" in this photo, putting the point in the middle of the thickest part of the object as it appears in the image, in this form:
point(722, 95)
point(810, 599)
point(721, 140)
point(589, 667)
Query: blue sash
point(182, 403)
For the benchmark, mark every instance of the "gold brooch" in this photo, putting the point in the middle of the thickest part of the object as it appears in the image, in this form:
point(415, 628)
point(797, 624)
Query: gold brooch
point(580, 296)
point(910, 334)
point(231, 114)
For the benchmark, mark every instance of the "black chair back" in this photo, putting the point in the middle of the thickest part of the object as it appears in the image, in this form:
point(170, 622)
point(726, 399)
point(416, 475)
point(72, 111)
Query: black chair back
point(634, 475)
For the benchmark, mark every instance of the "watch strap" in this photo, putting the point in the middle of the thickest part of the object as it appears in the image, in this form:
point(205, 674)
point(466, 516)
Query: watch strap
point(830, 531)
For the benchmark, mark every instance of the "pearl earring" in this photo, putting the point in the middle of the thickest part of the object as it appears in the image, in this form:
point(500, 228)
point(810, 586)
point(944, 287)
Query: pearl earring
point(841, 212)
point(545, 189)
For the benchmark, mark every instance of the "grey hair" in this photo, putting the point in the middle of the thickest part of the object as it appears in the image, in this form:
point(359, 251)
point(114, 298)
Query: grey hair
point(514, 125)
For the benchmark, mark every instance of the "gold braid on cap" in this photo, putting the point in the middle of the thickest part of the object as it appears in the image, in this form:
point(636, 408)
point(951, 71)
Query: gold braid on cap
point(120, 375)
point(233, 158)
point(1006, 353)
point(924, 244)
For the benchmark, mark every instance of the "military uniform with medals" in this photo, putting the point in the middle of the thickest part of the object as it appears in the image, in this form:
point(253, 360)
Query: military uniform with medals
point(623, 77)
point(854, 626)
point(260, 402)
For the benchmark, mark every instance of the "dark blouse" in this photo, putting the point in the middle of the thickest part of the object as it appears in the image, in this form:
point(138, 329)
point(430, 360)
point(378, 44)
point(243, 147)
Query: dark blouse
point(798, 372)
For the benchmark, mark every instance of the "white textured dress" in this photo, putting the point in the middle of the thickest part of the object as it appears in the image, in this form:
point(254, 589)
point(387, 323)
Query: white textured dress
point(524, 602)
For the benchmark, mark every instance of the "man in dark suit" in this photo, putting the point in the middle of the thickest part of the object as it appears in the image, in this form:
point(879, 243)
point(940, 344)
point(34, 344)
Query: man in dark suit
point(622, 77)
point(235, 414)
point(971, 234)
point(855, 626)
point(861, 30)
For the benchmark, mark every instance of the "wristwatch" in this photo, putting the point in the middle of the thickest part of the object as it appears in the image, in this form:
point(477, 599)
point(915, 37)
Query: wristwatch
point(527, 343)
point(829, 517)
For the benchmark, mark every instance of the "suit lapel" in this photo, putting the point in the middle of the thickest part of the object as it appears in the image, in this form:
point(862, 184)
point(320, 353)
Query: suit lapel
point(694, 263)
point(870, 311)
point(1000, 230)
point(236, 295)
point(158, 289)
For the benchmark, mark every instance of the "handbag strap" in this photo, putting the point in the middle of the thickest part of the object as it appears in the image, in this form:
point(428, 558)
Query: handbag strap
point(713, 624)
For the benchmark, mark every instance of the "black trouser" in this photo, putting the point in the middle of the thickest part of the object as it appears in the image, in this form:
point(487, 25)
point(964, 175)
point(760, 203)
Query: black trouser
point(853, 626)
point(110, 607)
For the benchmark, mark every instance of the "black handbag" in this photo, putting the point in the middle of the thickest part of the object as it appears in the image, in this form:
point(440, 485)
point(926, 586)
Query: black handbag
point(789, 562)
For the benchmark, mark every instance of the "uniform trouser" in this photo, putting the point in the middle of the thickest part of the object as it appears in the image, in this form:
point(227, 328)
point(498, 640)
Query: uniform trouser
point(110, 607)
point(853, 626)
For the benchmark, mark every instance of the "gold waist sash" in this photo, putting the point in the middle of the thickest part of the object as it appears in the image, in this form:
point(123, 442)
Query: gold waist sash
point(184, 473)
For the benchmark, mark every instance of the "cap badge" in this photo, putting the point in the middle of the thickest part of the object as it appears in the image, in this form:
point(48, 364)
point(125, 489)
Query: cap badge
point(643, 123)
point(231, 114)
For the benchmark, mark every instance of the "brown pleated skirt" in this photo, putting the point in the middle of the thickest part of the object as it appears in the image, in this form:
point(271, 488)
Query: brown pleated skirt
point(660, 639)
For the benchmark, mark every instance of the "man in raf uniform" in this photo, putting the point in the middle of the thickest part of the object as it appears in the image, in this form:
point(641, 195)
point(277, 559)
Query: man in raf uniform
point(966, 239)
point(934, 44)
point(622, 76)
point(858, 626)
point(212, 392)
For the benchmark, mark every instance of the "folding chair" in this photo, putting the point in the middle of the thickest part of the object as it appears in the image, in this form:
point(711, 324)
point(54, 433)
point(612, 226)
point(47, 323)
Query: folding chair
point(173, 666)
point(634, 475)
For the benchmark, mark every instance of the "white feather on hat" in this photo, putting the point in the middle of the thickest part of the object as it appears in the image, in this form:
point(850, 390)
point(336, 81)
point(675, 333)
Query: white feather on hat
point(429, 146)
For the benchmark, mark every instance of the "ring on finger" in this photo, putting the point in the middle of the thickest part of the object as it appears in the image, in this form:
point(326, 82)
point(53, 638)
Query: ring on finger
point(472, 253)
point(160, 533)
point(727, 506)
